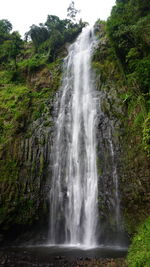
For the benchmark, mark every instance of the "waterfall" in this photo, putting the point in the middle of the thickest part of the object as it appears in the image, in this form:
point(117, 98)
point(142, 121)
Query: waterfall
point(115, 185)
point(73, 195)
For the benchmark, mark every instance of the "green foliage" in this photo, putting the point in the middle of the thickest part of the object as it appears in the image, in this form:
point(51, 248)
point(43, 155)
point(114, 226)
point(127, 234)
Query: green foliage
point(142, 71)
point(139, 251)
point(30, 74)
point(5, 77)
point(39, 102)
point(15, 100)
point(105, 61)
point(33, 63)
point(38, 34)
point(9, 170)
point(126, 97)
point(128, 28)
point(15, 46)
point(146, 135)
point(21, 104)
point(5, 28)
point(10, 45)
point(49, 37)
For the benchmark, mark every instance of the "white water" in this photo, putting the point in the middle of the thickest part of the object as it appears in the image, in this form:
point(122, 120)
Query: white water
point(116, 185)
point(73, 196)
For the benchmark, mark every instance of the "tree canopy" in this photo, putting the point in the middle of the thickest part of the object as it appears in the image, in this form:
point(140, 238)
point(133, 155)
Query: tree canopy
point(128, 28)
point(54, 33)
point(10, 43)
point(47, 38)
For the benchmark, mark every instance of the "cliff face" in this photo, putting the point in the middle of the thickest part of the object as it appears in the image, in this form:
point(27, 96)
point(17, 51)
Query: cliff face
point(25, 151)
point(26, 147)
point(121, 116)
point(135, 177)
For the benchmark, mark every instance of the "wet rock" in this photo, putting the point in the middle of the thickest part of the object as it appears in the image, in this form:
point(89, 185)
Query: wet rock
point(59, 258)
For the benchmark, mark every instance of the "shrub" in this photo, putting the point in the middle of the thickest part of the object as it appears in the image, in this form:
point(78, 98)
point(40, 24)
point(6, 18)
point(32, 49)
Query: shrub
point(139, 251)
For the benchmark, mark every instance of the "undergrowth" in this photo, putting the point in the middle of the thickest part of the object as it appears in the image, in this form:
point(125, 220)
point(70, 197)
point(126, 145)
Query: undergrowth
point(139, 251)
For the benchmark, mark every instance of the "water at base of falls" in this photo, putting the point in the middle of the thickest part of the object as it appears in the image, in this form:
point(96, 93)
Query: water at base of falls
point(73, 195)
point(60, 256)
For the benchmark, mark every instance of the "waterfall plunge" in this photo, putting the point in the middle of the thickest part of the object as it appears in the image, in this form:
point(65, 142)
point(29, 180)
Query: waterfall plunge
point(73, 196)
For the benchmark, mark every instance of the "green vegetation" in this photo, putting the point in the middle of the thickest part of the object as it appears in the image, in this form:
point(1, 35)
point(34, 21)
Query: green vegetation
point(122, 61)
point(10, 44)
point(15, 101)
point(146, 134)
point(128, 30)
point(30, 72)
point(49, 37)
point(21, 102)
point(139, 251)
point(30, 75)
point(123, 57)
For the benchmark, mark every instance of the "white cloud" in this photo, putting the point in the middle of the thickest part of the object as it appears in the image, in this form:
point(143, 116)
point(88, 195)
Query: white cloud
point(22, 14)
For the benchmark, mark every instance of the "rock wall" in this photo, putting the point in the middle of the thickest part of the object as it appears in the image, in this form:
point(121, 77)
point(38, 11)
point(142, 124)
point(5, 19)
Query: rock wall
point(25, 169)
point(24, 185)
point(109, 130)
point(132, 163)
point(135, 182)
point(25, 161)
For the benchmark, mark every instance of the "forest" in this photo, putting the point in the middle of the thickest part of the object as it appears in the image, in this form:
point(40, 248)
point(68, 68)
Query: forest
point(30, 76)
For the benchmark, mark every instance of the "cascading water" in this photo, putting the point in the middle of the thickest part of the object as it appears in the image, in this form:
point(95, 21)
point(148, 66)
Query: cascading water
point(115, 182)
point(73, 196)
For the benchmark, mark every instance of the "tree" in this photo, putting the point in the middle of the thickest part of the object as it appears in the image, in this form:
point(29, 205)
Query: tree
point(55, 42)
point(72, 11)
point(54, 23)
point(11, 48)
point(15, 46)
point(47, 38)
point(128, 28)
point(38, 35)
point(5, 28)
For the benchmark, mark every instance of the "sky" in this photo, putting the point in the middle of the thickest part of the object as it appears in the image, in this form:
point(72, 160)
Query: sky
point(23, 13)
